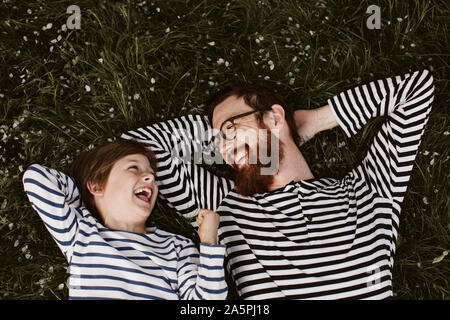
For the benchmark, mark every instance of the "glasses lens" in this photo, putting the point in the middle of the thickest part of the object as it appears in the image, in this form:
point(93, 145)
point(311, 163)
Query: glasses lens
point(228, 130)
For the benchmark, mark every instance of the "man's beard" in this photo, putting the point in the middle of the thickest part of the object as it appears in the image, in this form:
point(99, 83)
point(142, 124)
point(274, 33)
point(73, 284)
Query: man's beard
point(248, 179)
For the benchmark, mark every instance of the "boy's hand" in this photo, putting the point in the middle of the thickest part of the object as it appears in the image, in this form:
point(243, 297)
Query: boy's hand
point(208, 223)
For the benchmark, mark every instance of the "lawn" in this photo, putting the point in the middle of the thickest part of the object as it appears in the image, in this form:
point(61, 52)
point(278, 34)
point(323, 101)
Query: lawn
point(132, 63)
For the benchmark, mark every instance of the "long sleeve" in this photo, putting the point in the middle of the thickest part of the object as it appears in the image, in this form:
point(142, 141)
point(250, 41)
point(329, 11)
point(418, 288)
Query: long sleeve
point(180, 146)
point(202, 278)
point(54, 196)
point(406, 101)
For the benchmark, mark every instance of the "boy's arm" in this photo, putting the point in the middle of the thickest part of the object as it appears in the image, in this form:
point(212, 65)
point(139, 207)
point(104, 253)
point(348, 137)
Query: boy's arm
point(54, 196)
point(182, 182)
point(202, 277)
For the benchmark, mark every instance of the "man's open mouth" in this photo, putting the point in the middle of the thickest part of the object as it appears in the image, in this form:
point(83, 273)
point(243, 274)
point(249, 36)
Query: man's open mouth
point(241, 155)
point(145, 194)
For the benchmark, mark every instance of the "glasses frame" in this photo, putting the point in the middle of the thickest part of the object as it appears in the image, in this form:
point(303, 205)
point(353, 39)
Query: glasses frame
point(232, 119)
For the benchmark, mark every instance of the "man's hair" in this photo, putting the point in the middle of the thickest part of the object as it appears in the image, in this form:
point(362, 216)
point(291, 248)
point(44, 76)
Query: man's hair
point(95, 166)
point(257, 96)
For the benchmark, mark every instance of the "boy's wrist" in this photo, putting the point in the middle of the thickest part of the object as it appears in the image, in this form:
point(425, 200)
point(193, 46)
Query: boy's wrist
point(209, 241)
point(212, 249)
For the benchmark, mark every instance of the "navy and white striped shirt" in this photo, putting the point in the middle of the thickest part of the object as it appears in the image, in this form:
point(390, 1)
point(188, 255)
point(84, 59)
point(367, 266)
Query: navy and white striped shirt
point(320, 238)
point(111, 264)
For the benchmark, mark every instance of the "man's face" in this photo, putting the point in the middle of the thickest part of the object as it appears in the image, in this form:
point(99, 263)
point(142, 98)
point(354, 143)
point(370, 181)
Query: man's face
point(243, 152)
point(234, 151)
point(130, 192)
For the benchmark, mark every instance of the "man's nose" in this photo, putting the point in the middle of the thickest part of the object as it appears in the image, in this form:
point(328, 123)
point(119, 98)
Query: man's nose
point(227, 149)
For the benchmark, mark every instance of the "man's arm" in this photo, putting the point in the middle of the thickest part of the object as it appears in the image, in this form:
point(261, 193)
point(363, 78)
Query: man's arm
point(183, 183)
point(310, 122)
point(406, 100)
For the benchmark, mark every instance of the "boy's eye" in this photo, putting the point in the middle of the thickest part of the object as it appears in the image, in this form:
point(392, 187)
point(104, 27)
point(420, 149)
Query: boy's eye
point(133, 167)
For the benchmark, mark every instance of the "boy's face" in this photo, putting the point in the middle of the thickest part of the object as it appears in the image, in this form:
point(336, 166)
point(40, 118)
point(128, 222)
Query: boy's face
point(130, 192)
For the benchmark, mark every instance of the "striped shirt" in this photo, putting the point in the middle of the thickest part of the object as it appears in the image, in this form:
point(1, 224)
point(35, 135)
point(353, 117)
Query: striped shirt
point(320, 238)
point(110, 264)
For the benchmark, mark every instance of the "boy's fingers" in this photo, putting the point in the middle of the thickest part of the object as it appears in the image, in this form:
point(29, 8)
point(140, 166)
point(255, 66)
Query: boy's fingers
point(209, 215)
point(204, 212)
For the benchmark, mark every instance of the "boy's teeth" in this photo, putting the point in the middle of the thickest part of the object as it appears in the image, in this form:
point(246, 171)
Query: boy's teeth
point(143, 194)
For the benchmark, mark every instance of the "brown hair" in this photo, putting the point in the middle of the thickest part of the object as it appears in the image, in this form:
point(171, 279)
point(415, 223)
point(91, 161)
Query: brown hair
point(257, 96)
point(95, 165)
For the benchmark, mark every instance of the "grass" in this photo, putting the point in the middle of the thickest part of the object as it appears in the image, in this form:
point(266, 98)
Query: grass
point(138, 62)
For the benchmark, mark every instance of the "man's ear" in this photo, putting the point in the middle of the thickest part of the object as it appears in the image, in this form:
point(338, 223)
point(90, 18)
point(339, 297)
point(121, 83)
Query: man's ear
point(276, 117)
point(94, 189)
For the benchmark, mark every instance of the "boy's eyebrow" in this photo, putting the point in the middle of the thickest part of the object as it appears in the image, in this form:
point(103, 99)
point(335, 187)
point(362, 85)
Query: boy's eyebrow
point(139, 162)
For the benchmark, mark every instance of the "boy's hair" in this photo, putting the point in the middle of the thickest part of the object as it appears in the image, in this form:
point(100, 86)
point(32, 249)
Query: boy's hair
point(95, 165)
point(257, 96)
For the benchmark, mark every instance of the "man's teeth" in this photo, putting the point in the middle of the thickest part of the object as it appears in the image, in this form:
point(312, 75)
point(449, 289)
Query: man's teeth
point(242, 157)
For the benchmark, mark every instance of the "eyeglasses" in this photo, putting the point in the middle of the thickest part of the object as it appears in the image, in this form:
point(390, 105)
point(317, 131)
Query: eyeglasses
point(228, 127)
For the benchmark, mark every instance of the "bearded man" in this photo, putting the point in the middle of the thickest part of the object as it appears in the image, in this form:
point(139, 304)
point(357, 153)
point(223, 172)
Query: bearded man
point(288, 234)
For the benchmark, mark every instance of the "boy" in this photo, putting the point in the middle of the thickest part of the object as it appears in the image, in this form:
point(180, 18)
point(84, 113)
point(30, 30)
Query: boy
point(100, 228)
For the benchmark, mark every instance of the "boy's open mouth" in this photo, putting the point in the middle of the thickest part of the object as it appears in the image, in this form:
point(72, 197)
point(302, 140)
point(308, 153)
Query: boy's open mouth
point(144, 193)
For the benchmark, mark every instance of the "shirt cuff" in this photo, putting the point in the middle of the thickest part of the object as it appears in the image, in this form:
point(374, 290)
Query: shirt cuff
point(209, 249)
point(335, 110)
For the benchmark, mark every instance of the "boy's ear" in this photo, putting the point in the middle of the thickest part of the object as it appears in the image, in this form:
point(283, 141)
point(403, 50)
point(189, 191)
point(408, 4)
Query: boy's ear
point(94, 189)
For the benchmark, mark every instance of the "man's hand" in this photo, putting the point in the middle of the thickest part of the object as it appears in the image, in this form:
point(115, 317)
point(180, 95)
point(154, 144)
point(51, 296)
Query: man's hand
point(304, 122)
point(311, 122)
point(208, 223)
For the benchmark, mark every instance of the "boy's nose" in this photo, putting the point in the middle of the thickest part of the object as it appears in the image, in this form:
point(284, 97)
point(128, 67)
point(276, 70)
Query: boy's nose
point(148, 177)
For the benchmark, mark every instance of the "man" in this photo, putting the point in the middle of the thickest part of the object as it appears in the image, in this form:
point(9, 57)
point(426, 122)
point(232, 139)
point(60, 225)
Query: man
point(294, 236)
